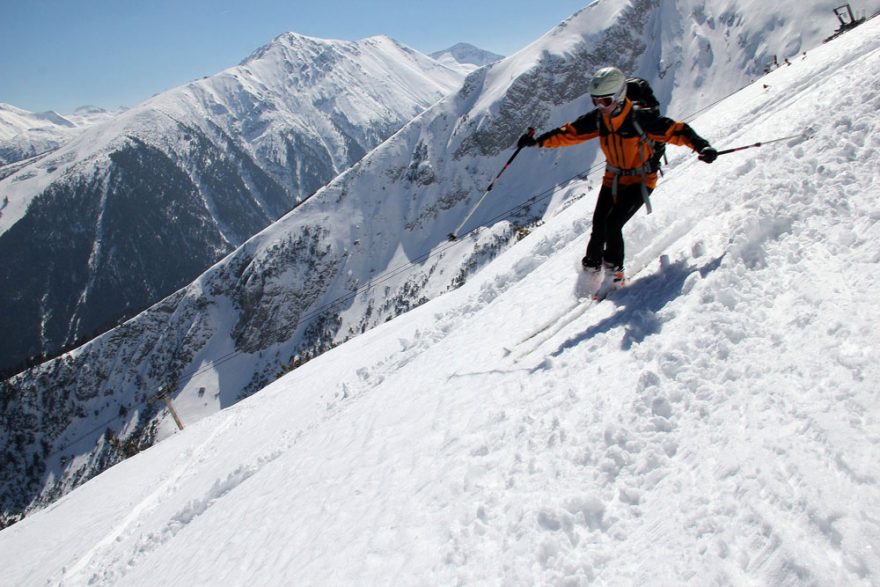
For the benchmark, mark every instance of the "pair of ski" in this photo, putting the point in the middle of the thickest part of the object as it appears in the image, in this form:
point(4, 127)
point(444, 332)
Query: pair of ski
point(551, 328)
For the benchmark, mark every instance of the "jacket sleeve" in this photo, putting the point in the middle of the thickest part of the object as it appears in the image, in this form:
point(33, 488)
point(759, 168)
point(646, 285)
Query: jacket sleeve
point(666, 130)
point(583, 129)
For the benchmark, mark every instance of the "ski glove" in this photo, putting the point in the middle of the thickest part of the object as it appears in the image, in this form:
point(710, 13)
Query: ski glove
point(526, 140)
point(708, 154)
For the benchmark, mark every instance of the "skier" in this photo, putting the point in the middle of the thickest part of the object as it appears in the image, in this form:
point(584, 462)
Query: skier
point(626, 135)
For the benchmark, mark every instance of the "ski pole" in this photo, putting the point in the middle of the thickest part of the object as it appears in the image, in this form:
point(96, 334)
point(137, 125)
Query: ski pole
point(454, 234)
point(734, 149)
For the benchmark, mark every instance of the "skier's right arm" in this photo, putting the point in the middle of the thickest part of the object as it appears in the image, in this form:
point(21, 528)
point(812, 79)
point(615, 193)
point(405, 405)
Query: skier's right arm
point(583, 129)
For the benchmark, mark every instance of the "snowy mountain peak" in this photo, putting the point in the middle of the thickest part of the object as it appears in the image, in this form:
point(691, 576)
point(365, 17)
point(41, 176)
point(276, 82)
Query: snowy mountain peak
point(297, 48)
point(293, 44)
point(25, 134)
point(466, 53)
point(89, 109)
point(319, 70)
point(17, 121)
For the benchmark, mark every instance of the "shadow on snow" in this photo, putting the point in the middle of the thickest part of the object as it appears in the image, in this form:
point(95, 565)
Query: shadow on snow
point(639, 304)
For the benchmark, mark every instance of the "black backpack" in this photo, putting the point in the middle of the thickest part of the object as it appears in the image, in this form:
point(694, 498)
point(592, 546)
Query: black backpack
point(641, 94)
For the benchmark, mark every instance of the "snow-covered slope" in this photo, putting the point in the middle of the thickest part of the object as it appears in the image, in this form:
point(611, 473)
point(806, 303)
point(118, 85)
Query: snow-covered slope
point(133, 209)
point(372, 244)
point(715, 423)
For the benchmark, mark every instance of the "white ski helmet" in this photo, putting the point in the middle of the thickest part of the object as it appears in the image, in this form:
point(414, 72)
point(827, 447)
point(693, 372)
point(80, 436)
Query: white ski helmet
point(608, 82)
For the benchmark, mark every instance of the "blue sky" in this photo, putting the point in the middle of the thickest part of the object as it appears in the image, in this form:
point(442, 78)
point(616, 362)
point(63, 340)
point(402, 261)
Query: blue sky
point(61, 54)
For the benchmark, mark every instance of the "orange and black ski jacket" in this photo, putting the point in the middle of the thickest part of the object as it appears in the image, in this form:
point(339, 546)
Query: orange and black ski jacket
point(627, 149)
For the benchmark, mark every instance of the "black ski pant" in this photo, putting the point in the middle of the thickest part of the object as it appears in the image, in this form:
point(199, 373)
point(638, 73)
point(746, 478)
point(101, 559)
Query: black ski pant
point(606, 240)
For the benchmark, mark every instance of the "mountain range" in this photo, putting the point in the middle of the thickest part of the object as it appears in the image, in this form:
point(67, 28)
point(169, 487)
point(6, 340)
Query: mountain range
point(371, 244)
point(99, 227)
point(24, 134)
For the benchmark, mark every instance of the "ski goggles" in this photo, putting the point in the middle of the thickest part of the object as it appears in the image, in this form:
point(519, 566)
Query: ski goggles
point(603, 101)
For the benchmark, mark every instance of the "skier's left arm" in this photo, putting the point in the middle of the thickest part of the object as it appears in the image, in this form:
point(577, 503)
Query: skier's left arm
point(680, 133)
